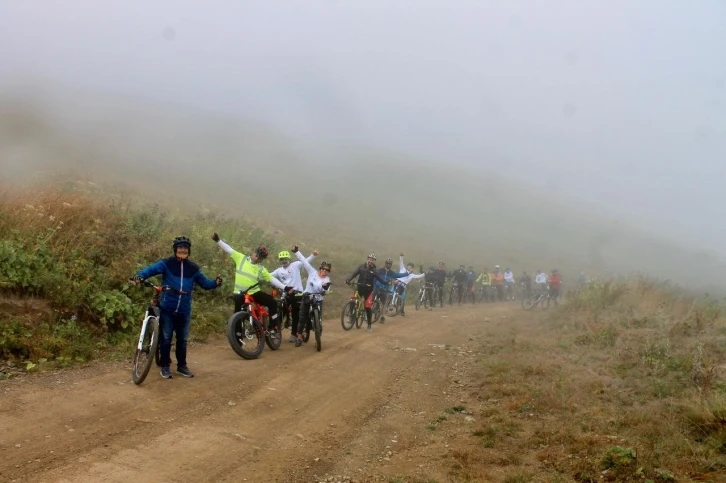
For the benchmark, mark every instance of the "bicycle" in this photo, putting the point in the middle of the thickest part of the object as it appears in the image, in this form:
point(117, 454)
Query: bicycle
point(251, 322)
point(426, 291)
point(438, 295)
point(284, 308)
point(354, 311)
point(534, 299)
point(315, 320)
point(150, 334)
point(394, 302)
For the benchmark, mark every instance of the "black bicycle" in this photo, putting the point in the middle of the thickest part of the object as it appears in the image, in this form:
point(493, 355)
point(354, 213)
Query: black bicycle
point(315, 318)
point(425, 296)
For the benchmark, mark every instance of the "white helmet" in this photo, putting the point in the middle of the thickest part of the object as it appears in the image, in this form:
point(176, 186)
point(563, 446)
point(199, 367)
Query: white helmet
point(496, 266)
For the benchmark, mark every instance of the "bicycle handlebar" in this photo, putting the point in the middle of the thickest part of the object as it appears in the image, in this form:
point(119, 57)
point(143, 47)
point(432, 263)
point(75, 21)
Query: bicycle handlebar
point(160, 288)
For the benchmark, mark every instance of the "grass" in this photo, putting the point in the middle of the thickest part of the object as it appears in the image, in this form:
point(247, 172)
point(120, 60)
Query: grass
point(623, 382)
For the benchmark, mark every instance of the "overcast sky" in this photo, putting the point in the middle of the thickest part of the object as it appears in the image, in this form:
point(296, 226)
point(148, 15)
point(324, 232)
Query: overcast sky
point(620, 102)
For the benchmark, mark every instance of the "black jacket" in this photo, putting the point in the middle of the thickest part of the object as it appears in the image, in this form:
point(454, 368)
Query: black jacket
point(366, 276)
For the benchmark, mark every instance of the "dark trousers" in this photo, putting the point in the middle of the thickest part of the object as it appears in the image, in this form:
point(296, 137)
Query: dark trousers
point(367, 293)
point(304, 320)
point(294, 302)
point(170, 323)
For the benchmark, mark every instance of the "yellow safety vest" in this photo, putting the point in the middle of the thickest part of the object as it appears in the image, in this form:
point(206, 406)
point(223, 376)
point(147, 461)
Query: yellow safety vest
point(248, 273)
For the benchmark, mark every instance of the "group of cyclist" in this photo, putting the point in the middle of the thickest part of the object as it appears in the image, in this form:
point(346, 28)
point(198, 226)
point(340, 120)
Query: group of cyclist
point(487, 286)
point(179, 271)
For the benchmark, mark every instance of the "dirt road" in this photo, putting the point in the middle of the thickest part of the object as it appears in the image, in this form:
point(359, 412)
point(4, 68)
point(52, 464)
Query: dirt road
point(358, 409)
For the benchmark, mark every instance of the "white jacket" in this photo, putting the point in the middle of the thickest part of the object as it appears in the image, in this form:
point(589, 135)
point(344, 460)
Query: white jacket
point(315, 281)
point(290, 275)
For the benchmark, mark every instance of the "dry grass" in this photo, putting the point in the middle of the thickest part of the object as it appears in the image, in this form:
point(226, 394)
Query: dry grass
point(624, 382)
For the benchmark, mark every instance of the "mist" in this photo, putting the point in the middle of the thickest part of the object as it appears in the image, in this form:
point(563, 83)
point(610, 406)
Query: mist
point(611, 114)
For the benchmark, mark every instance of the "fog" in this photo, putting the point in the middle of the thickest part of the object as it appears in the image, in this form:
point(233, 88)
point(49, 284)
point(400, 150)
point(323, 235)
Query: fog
point(617, 107)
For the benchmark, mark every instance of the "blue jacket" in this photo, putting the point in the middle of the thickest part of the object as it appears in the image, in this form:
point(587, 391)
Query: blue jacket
point(181, 275)
point(388, 275)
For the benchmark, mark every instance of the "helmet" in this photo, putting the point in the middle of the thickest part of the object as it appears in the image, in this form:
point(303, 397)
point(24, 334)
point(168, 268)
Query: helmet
point(283, 254)
point(262, 252)
point(373, 256)
point(325, 264)
point(496, 266)
point(181, 241)
point(389, 260)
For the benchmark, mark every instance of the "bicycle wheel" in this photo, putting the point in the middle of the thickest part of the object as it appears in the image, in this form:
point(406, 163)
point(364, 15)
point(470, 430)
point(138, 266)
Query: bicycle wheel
point(318, 327)
point(528, 303)
point(149, 345)
point(272, 337)
point(420, 299)
point(393, 306)
point(347, 317)
point(245, 335)
point(360, 315)
point(376, 308)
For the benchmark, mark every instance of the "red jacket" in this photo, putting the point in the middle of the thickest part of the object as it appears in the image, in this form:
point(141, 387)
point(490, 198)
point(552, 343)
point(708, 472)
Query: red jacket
point(555, 280)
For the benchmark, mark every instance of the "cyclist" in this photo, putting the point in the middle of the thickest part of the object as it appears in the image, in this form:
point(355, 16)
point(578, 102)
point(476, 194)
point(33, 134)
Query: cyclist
point(318, 281)
point(404, 281)
point(289, 275)
point(249, 271)
point(440, 277)
point(498, 281)
point(509, 282)
point(470, 281)
point(459, 276)
point(366, 273)
point(554, 281)
point(430, 279)
point(388, 275)
point(526, 282)
point(541, 280)
point(176, 309)
point(485, 280)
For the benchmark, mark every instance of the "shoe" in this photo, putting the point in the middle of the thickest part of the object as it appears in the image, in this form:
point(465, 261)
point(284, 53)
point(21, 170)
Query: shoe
point(166, 373)
point(184, 371)
point(298, 342)
point(403, 314)
point(292, 338)
point(383, 319)
point(370, 328)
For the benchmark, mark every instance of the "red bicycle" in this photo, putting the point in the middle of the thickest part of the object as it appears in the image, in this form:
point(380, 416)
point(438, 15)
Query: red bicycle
point(248, 326)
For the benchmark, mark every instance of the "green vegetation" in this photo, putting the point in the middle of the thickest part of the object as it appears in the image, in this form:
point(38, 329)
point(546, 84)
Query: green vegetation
point(74, 249)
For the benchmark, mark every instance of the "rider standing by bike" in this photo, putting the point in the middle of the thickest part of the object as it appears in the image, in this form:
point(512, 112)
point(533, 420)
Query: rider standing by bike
point(459, 276)
point(430, 280)
point(366, 274)
point(541, 281)
point(470, 281)
point(498, 281)
point(249, 271)
point(509, 283)
point(318, 281)
point(554, 281)
point(404, 281)
point(289, 275)
point(526, 282)
point(439, 280)
point(175, 308)
point(485, 280)
point(388, 275)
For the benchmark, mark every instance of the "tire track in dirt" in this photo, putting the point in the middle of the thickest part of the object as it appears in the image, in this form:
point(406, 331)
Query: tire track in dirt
point(263, 420)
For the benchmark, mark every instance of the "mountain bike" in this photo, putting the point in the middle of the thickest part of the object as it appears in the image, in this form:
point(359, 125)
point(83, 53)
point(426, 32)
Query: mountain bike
point(425, 296)
point(315, 319)
point(538, 298)
point(354, 311)
point(250, 323)
point(394, 301)
point(284, 309)
point(470, 293)
point(150, 333)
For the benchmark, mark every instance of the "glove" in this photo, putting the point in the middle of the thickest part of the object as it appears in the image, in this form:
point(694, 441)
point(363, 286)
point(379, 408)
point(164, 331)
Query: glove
point(215, 237)
point(136, 280)
point(326, 286)
point(218, 280)
point(295, 249)
point(289, 290)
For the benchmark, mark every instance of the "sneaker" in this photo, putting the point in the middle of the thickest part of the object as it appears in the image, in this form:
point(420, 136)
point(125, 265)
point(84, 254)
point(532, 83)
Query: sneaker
point(292, 338)
point(184, 371)
point(383, 319)
point(370, 328)
point(166, 373)
point(298, 342)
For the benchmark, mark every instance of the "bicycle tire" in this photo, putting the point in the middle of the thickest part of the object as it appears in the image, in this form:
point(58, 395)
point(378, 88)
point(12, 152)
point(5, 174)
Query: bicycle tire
point(236, 330)
point(376, 309)
point(157, 353)
point(153, 330)
point(318, 327)
point(273, 339)
point(350, 313)
point(529, 303)
point(419, 299)
point(394, 306)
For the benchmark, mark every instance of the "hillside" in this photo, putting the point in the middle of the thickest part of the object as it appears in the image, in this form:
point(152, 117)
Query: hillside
point(349, 196)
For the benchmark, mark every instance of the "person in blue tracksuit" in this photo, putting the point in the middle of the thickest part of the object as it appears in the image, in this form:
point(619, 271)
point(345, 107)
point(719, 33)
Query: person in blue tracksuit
point(388, 275)
point(178, 273)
